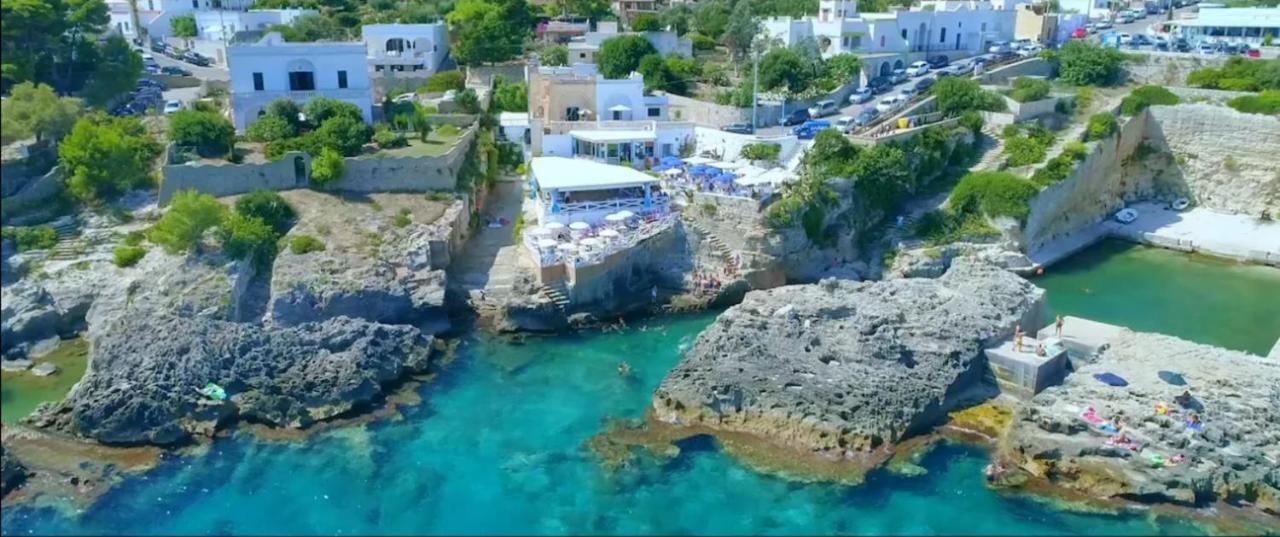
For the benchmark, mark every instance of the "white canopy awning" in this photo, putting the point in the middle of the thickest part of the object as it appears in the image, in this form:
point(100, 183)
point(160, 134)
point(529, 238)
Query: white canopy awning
point(603, 136)
point(569, 174)
point(698, 160)
point(553, 226)
point(615, 217)
point(547, 243)
point(775, 176)
point(539, 232)
point(619, 108)
point(579, 226)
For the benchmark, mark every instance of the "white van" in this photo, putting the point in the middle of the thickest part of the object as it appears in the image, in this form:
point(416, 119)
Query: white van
point(823, 108)
point(845, 124)
point(889, 104)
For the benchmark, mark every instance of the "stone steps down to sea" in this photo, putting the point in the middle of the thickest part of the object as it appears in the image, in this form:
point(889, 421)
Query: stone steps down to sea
point(844, 370)
point(1234, 458)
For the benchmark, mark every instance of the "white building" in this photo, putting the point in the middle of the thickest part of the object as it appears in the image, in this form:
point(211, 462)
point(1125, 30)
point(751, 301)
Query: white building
point(406, 47)
point(154, 15)
point(1092, 9)
point(583, 49)
point(576, 112)
point(570, 190)
point(271, 69)
point(887, 41)
point(1245, 24)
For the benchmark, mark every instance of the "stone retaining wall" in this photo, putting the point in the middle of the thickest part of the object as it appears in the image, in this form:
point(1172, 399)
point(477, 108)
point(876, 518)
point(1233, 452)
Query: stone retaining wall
point(227, 179)
point(405, 174)
point(1167, 69)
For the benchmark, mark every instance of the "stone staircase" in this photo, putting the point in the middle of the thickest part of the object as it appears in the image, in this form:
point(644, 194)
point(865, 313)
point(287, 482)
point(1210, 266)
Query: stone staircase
point(992, 150)
point(557, 293)
point(70, 245)
point(717, 244)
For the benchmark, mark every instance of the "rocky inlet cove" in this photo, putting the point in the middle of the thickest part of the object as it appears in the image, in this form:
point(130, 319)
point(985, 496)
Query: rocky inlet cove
point(721, 267)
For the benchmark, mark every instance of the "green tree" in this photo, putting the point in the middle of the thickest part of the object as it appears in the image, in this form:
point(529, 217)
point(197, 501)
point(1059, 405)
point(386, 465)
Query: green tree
point(512, 97)
point(740, 30)
point(249, 237)
point(190, 214)
point(783, 68)
point(711, 17)
point(956, 95)
point(592, 9)
point(184, 27)
point(1082, 63)
point(554, 55)
point(312, 27)
point(103, 157)
point(621, 55)
point(883, 175)
point(268, 206)
point(832, 155)
point(678, 17)
point(117, 71)
point(1267, 102)
point(36, 111)
point(270, 128)
point(288, 110)
point(208, 132)
point(327, 167)
point(1145, 96)
point(482, 33)
point(1026, 89)
point(646, 22)
point(656, 74)
point(343, 134)
point(468, 101)
point(993, 194)
point(322, 109)
point(842, 68)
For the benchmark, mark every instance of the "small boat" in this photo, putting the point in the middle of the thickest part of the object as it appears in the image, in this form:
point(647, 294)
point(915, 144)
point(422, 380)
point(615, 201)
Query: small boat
point(1126, 216)
point(1181, 204)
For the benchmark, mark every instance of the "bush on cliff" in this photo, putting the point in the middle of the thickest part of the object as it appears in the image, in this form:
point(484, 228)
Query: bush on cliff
point(1239, 74)
point(31, 237)
point(305, 244)
point(1101, 125)
point(1025, 145)
point(105, 156)
point(327, 168)
point(761, 151)
point(1082, 63)
point(248, 237)
point(190, 214)
point(957, 95)
point(1026, 90)
point(268, 206)
point(993, 194)
point(127, 256)
point(1145, 96)
point(445, 81)
point(209, 133)
point(1267, 102)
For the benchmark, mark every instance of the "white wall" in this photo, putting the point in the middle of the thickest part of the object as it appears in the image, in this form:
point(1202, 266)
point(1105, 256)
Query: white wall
point(557, 145)
point(430, 44)
point(274, 59)
point(628, 92)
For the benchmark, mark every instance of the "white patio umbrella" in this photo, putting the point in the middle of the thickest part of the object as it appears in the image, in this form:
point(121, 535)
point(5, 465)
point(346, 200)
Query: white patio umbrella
point(580, 226)
point(590, 242)
point(553, 226)
point(610, 234)
point(547, 243)
point(567, 247)
point(626, 214)
point(672, 171)
point(539, 232)
point(615, 217)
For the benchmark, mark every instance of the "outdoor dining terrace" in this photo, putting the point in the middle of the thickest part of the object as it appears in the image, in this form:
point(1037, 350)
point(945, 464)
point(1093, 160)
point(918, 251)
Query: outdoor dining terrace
point(568, 190)
point(734, 179)
point(582, 244)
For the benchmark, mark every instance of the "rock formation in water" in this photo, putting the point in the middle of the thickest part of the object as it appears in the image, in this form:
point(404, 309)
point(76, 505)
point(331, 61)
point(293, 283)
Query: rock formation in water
point(310, 338)
point(843, 369)
point(1234, 457)
point(12, 472)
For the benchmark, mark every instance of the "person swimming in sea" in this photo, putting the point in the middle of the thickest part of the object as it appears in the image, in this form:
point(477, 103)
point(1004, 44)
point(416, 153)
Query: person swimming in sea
point(624, 369)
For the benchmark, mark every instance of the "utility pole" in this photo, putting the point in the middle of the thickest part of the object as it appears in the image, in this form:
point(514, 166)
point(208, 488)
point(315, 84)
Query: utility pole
point(755, 85)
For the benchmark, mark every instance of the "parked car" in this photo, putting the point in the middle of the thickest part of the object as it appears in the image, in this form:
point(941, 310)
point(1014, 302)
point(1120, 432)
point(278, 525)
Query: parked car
point(1206, 49)
point(1180, 45)
point(809, 129)
point(879, 84)
point(917, 69)
point(923, 85)
point(1080, 33)
point(898, 76)
point(938, 62)
point(147, 82)
point(149, 64)
point(889, 104)
point(1027, 52)
point(738, 128)
point(866, 116)
point(172, 106)
point(861, 95)
point(823, 109)
point(1103, 25)
point(174, 70)
point(1253, 52)
point(195, 58)
point(846, 124)
point(999, 47)
point(796, 117)
point(158, 47)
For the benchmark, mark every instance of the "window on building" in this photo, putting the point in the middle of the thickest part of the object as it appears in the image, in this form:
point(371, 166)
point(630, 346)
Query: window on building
point(302, 81)
point(195, 4)
point(342, 80)
point(666, 150)
point(257, 82)
point(571, 113)
point(904, 34)
point(655, 112)
point(582, 55)
point(943, 36)
point(882, 41)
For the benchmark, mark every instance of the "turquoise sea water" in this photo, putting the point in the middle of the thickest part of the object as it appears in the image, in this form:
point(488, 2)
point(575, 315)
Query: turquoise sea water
point(498, 447)
point(1195, 297)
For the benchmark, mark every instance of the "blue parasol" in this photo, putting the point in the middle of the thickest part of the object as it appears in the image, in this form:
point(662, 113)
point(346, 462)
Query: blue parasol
point(1111, 379)
point(725, 178)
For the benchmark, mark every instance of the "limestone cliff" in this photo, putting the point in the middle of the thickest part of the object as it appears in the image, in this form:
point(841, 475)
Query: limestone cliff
point(1232, 458)
point(842, 369)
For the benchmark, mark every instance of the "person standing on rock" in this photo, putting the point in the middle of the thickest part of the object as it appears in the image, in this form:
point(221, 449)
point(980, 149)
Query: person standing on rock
point(1017, 338)
point(1057, 326)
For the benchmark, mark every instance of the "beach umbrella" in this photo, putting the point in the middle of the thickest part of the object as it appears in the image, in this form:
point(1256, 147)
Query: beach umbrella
point(539, 232)
point(725, 177)
point(547, 243)
point(554, 226)
point(1172, 377)
point(590, 242)
point(672, 160)
point(625, 214)
point(609, 234)
point(1111, 379)
point(712, 170)
point(671, 171)
point(567, 247)
point(615, 218)
point(579, 226)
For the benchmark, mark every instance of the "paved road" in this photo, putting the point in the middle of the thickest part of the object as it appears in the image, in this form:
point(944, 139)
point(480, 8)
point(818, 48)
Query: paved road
point(847, 109)
point(203, 73)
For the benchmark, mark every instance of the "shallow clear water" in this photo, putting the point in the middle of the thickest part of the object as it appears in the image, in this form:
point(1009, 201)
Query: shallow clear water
point(498, 447)
point(1195, 297)
point(22, 391)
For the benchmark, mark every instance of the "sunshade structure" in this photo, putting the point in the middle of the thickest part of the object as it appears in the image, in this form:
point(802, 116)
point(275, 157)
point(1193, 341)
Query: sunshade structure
point(547, 244)
point(615, 218)
point(1171, 377)
point(1111, 379)
point(539, 232)
point(579, 226)
point(553, 226)
point(609, 234)
point(590, 242)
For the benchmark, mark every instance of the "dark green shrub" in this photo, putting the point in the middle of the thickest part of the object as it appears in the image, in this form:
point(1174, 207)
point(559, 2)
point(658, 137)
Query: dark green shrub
point(1145, 96)
point(343, 134)
point(305, 244)
point(1026, 90)
point(248, 237)
point(327, 168)
point(403, 218)
point(268, 206)
point(190, 214)
point(270, 128)
point(445, 81)
point(1267, 102)
point(993, 194)
point(127, 256)
point(1101, 125)
point(209, 133)
point(31, 237)
point(387, 138)
point(973, 121)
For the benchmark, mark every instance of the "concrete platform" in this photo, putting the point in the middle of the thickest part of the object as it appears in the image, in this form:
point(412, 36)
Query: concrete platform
point(1083, 337)
point(1023, 372)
